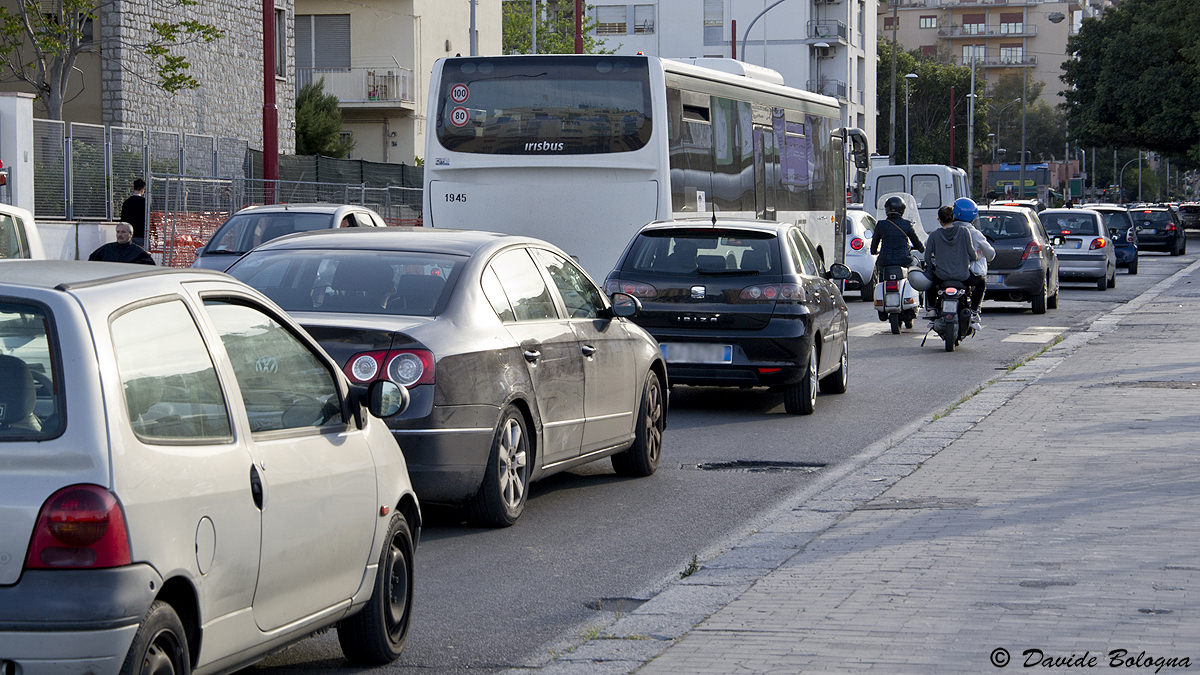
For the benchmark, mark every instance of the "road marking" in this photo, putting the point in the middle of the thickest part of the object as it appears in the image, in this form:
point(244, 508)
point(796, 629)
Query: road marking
point(1036, 334)
point(885, 328)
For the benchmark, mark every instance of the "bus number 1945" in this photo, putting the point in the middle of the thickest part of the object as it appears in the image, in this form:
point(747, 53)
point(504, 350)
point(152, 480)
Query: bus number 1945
point(456, 197)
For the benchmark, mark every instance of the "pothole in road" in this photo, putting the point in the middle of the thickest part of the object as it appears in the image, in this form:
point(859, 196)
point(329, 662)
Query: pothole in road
point(615, 604)
point(756, 466)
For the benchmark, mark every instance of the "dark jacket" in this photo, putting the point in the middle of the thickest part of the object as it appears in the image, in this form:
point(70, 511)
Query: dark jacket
point(122, 253)
point(891, 241)
point(133, 211)
point(951, 252)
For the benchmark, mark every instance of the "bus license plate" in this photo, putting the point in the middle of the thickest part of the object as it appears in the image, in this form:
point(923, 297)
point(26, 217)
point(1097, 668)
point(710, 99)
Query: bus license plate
point(689, 352)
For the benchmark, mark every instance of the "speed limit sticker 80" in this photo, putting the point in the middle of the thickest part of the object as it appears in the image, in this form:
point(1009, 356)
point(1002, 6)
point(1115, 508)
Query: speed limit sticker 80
point(459, 116)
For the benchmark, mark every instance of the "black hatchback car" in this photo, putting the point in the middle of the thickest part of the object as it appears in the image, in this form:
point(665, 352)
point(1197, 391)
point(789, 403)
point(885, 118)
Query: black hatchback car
point(1159, 229)
point(1025, 268)
point(740, 303)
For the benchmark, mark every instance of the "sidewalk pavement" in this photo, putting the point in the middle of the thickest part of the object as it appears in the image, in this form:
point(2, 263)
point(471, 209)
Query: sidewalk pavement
point(1054, 527)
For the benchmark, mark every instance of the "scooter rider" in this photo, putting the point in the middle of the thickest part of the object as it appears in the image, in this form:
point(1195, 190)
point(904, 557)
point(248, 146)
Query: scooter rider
point(892, 237)
point(950, 251)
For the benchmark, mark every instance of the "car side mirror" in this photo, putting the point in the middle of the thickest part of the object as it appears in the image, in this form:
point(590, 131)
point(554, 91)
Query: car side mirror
point(838, 271)
point(625, 305)
point(386, 398)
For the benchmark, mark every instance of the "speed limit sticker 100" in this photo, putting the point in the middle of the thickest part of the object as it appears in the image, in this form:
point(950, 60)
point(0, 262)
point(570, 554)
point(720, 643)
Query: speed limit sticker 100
point(459, 116)
point(459, 93)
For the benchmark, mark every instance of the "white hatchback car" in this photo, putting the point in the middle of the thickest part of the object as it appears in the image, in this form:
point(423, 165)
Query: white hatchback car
point(188, 481)
point(19, 237)
point(860, 225)
point(1085, 249)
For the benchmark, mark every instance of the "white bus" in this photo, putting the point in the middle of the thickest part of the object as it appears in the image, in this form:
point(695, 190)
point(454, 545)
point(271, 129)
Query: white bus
point(582, 150)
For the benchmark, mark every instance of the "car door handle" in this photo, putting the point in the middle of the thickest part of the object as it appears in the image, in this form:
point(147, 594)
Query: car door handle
point(532, 355)
point(256, 491)
point(588, 350)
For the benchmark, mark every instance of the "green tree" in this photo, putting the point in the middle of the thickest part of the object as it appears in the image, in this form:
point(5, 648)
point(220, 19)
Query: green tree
point(1133, 78)
point(1045, 126)
point(319, 123)
point(929, 112)
point(555, 28)
point(41, 40)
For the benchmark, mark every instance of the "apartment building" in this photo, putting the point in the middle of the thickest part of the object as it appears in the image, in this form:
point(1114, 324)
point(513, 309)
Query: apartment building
point(826, 46)
point(998, 36)
point(376, 57)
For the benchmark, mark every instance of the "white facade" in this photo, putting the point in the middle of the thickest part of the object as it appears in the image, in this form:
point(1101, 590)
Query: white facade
point(826, 46)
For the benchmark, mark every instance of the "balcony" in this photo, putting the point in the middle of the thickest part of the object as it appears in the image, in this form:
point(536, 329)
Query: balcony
point(1007, 62)
point(364, 87)
point(828, 30)
point(972, 31)
point(834, 88)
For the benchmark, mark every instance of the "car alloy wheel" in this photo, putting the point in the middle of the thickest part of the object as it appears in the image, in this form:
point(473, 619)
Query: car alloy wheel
point(837, 381)
point(501, 497)
point(801, 398)
point(641, 458)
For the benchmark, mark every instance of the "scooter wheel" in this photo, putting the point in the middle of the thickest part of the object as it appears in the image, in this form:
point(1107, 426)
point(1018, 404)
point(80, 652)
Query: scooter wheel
point(894, 319)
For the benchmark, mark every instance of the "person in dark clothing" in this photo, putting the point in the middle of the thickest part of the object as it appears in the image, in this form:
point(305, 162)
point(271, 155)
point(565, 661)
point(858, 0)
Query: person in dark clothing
point(133, 211)
point(892, 237)
point(123, 250)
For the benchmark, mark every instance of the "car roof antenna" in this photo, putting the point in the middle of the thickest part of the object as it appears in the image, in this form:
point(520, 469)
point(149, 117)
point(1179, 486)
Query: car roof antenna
point(712, 202)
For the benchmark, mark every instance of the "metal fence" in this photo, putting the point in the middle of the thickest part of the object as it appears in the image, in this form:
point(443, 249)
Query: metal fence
point(185, 210)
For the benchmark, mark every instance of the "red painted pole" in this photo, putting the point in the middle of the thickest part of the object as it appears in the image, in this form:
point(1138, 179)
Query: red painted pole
point(951, 126)
point(578, 26)
point(733, 38)
point(270, 109)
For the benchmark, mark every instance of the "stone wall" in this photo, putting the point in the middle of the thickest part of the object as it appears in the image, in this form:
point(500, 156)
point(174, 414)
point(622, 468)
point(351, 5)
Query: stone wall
point(229, 100)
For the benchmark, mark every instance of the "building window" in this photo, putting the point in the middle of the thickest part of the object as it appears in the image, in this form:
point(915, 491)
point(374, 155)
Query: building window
point(888, 22)
point(643, 19)
point(929, 22)
point(972, 53)
point(1011, 23)
point(1012, 54)
point(714, 21)
point(280, 43)
point(974, 24)
point(611, 20)
point(929, 51)
point(323, 41)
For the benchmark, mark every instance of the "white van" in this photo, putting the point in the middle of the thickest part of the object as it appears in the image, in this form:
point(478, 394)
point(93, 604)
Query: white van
point(932, 185)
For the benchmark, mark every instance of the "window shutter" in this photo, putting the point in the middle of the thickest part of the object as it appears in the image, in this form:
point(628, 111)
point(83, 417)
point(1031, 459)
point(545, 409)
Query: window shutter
point(331, 37)
point(304, 44)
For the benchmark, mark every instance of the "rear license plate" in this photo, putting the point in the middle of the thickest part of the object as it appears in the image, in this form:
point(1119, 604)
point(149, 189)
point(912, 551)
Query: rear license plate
point(995, 278)
point(1146, 230)
point(688, 352)
point(1075, 243)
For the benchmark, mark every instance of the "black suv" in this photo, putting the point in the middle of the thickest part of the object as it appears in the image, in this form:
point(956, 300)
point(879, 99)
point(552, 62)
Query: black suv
point(1159, 229)
point(740, 303)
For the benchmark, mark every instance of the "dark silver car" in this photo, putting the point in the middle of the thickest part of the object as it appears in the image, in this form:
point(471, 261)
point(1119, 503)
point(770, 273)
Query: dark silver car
point(255, 225)
point(517, 365)
point(1025, 268)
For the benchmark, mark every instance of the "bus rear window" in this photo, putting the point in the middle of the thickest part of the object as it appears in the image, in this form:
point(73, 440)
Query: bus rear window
point(544, 106)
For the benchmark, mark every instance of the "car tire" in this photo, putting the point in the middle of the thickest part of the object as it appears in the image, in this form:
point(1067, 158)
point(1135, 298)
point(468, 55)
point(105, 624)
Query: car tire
point(1040, 300)
point(375, 635)
point(1102, 283)
point(641, 458)
point(837, 381)
point(801, 398)
point(1183, 245)
point(1176, 248)
point(1112, 281)
point(501, 498)
point(1133, 266)
point(1052, 301)
point(160, 644)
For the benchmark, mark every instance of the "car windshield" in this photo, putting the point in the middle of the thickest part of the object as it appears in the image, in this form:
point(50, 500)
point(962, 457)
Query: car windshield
point(363, 282)
point(688, 252)
point(1081, 224)
point(30, 390)
point(244, 231)
point(1003, 225)
point(1152, 217)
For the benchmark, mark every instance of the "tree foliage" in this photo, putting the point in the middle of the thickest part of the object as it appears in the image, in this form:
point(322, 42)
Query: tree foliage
point(555, 28)
point(1045, 126)
point(319, 123)
point(42, 39)
point(1134, 78)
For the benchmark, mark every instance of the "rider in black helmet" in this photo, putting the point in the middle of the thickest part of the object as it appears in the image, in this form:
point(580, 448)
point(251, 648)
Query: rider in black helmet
point(893, 237)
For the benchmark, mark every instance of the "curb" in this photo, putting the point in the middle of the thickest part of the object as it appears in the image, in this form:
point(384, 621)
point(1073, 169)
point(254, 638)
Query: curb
point(632, 639)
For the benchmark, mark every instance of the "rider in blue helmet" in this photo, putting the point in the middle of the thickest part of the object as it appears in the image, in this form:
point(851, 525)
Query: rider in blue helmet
point(949, 250)
point(965, 213)
point(965, 210)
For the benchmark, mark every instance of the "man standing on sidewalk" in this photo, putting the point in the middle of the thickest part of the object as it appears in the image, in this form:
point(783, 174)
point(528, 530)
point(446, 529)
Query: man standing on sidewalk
point(133, 211)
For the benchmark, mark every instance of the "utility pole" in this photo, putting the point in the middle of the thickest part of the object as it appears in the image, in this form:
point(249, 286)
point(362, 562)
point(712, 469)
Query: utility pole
point(533, 26)
point(578, 26)
point(474, 37)
point(1024, 98)
point(971, 130)
point(892, 129)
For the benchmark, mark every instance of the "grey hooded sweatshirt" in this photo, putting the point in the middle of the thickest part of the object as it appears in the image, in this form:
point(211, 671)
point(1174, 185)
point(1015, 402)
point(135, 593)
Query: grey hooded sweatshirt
point(951, 252)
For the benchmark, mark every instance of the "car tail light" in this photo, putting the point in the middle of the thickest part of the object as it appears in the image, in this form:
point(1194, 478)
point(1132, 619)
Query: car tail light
point(772, 292)
point(405, 367)
point(634, 288)
point(1098, 243)
point(856, 244)
point(81, 526)
point(1171, 227)
point(1032, 248)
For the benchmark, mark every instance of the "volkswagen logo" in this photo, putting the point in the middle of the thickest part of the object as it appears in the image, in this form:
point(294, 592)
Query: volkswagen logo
point(267, 364)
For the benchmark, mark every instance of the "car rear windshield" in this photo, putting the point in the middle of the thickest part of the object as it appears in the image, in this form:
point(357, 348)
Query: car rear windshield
point(358, 282)
point(244, 231)
point(1080, 224)
point(1003, 225)
point(1190, 208)
point(30, 384)
point(1116, 220)
point(706, 251)
point(1151, 217)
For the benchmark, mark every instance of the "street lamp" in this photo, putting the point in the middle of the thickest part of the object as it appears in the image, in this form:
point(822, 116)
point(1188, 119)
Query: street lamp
point(992, 142)
point(820, 53)
point(1121, 176)
point(907, 79)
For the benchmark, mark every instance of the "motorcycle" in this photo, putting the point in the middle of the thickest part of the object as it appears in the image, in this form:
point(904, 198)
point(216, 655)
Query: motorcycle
point(896, 300)
point(952, 319)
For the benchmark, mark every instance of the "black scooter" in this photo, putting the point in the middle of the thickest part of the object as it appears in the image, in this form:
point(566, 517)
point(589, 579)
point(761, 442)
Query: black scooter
point(952, 321)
